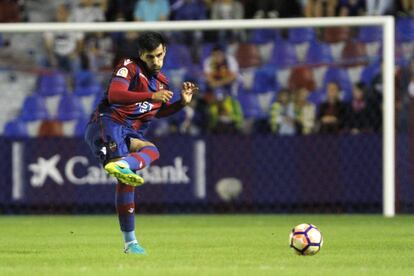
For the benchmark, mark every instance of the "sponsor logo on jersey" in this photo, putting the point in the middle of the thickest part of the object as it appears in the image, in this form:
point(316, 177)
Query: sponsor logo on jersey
point(144, 107)
point(123, 72)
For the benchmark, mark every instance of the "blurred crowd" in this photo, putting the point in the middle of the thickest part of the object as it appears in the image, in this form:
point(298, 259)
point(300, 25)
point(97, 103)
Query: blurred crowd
point(154, 10)
point(220, 62)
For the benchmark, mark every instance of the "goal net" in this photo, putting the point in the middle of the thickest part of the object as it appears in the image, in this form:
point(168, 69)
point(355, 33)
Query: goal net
point(293, 115)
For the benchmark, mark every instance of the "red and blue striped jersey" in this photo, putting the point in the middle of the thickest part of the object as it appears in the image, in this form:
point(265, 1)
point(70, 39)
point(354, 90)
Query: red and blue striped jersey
point(128, 99)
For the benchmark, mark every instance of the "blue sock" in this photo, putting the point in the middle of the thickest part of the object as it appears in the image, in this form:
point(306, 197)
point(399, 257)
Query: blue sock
point(142, 158)
point(129, 236)
point(132, 162)
point(125, 206)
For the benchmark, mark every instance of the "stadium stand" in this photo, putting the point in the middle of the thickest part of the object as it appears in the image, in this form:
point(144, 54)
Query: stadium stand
point(269, 60)
point(15, 128)
point(34, 108)
point(69, 108)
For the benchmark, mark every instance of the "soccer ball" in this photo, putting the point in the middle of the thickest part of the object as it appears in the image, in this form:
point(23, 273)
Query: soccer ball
point(305, 239)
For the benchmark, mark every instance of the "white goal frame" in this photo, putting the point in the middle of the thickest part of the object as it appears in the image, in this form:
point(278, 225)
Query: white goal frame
point(386, 22)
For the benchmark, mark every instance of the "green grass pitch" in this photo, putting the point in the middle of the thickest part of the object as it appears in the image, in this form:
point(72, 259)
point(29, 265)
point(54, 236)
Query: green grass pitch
point(205, 245)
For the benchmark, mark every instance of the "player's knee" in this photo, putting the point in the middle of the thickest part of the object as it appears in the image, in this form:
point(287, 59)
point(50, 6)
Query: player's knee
point(137, 144)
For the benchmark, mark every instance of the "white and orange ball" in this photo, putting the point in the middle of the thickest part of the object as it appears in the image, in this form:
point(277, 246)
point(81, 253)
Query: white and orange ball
point(306, 239)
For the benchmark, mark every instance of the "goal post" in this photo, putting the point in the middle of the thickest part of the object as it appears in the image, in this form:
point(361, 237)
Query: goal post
point(385, 22)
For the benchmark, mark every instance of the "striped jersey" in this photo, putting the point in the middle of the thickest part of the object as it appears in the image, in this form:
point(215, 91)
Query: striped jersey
point(128, 99)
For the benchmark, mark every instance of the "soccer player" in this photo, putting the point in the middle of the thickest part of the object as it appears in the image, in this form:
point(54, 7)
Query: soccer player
point(137, 93)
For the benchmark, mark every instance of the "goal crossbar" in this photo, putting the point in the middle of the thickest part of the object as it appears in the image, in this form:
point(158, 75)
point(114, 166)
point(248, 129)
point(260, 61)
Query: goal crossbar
point(386, 22)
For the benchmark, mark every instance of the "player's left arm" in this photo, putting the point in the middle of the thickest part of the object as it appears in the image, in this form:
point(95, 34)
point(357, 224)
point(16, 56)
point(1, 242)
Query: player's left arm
point(187, 91)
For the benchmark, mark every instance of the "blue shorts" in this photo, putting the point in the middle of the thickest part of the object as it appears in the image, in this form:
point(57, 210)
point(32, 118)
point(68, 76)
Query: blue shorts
point(108, 139)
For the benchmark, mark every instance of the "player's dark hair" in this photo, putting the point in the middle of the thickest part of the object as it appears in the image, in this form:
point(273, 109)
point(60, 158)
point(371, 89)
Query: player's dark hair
point(149, 41)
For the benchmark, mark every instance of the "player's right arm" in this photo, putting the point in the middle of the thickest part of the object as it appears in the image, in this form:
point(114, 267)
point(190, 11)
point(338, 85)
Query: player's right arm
point(118, 91)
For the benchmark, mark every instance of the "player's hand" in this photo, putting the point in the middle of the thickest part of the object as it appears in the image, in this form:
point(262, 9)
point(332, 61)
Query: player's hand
point(162, 96)
point(187, 92)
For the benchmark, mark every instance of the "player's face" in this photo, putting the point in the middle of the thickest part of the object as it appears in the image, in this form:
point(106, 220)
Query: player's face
point(154, 59)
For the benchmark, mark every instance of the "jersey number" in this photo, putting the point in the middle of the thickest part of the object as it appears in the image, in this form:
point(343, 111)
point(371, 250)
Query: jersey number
point(144, 107)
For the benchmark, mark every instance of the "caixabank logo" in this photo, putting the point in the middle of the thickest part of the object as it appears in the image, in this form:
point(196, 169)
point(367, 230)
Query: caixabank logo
point(78, 170)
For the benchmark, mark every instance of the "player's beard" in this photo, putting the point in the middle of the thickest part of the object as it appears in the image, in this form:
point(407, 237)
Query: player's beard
point(155, 70)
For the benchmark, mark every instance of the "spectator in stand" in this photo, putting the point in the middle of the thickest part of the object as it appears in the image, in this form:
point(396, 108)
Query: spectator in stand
point(225, 115)
point(63, 48)
point(375, 7)
point(89, 11)
point(405, 95)
point(405, 8)
point(120, 10)
point(189, 10)
point(406, 79)
point(97, 50)
point(332, 112)
point(319, 8)
point(375, 88)
point(351, 7)
point(277, 8)
point(227, 10)
point(126, 46)
point(305, 112)
point(374, 92)
point(40, 10)
point(151, 10)
point(360, 115)
point(282, 114)
point(221, 71)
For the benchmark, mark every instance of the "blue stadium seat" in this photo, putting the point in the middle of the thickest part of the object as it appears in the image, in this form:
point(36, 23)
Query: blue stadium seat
point(405, 29)
point(369, 34)
point(34, 109)
point(369, 72)
point(70, 108)
point(301, 35)
point(206, 50)
point(263, 36)
point(97, 101)
point(249, 104)
point(52, 84)
point(15, 128)
point(317, 96)
point(178, 56)
point(265, 80)
point(80, 126)
point(318, 53)
point(86, 83)
point(342, 78)
point(284, 55)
